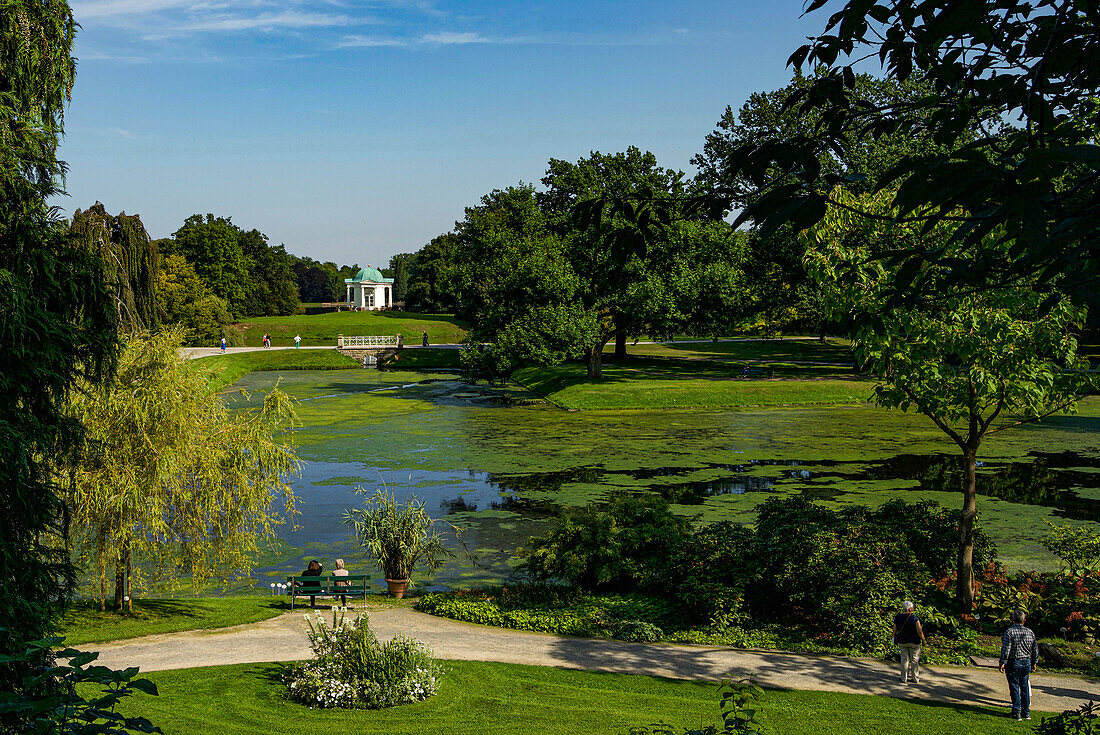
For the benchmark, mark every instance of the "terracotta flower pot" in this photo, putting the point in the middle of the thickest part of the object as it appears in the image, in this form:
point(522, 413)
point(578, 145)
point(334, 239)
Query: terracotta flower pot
point(398, 587)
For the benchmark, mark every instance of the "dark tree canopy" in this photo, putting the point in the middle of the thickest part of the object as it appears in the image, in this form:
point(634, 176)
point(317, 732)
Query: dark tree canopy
point(1031, 188)
point(130, 262)
point(57, 324)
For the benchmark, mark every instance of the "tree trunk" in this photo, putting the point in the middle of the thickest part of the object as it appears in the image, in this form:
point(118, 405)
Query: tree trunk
point(965, 570)
point(122, 579)
point(620, 344)
point(594, 361)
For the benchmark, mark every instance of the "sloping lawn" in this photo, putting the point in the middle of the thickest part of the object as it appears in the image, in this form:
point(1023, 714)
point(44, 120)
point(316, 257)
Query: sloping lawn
point(84, 623)
point(648, 384)
point(478, 698)
point(225, 370)
point(322, 329)
point(780, 350)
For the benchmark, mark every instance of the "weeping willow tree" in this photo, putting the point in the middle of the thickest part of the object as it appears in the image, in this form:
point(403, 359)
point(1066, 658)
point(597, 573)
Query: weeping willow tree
point(129, 258)
point(171, 480)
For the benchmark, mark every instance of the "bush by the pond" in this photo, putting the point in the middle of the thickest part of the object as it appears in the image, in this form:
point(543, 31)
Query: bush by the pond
point(624, 547)
point(350, 668)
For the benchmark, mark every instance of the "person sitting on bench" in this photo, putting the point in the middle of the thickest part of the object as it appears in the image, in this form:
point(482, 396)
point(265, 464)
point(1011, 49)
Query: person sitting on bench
point(339, 571)
point(313, 570)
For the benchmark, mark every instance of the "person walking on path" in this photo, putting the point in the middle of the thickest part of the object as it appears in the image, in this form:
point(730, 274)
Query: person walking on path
point(223, 345)
point(267, 341)
point(909, 636)
point(425, 343)
point(297, 341)
point(1019, 657)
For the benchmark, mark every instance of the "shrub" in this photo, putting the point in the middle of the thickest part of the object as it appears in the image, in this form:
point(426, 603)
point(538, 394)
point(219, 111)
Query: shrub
point(1078, 547)
point(626, 546)
point(351, 669)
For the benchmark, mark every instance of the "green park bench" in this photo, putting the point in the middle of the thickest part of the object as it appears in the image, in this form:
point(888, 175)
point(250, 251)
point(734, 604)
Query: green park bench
point(326, 585)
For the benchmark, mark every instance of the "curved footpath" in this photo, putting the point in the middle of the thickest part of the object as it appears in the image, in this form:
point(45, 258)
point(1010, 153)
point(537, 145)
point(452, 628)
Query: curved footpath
point(284, 639)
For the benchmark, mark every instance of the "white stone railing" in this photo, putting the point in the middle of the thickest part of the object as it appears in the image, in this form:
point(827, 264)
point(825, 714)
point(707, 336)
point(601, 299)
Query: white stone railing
point(385, 340)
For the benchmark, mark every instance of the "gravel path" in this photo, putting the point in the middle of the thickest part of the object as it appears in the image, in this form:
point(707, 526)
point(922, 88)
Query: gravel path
point(284, 639)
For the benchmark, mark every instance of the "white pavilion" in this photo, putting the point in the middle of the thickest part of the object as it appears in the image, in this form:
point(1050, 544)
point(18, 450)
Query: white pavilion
point(369, 290)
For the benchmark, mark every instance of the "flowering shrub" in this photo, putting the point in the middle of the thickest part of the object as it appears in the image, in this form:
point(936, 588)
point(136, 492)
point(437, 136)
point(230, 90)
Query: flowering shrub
point(350, 668)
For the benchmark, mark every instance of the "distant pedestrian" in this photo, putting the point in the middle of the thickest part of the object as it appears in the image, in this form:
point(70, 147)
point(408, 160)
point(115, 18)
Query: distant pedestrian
point(1019, 657)
point(267, 340)
point(909, 636)
point(425, 343)
point(223, 345)
point(297, 341)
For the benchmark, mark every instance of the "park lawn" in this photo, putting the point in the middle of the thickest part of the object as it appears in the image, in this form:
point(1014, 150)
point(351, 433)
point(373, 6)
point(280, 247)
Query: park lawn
point(775, 350)
point(322, 329)
point(429, 358)
point(83, 623)
point(669, 384)
point(480, 697)
point(225, 370)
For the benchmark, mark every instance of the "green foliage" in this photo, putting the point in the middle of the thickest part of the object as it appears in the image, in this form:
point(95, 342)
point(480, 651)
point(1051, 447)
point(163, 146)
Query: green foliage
point(1077, 546)
point(624, 546)
point(322, 329)
point(185, 300)
point(130, 262)
point(1018, 200)
point(172, 477)
point(50, 703)
point(1082, 721)
point(431, 286)
point(556, 609)
point(350, 668)
point(58, 325)
point(399, 536)
point(254, 278)
point(739, 702)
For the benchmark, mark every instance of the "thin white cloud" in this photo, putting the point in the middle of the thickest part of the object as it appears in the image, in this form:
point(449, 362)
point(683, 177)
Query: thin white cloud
point(267, 21)
point(452, 38)
point(124, 133)
point(106, 8)
point(369, 42)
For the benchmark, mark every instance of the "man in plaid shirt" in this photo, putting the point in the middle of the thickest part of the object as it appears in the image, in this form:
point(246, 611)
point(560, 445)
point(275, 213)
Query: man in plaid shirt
point(1019, 657)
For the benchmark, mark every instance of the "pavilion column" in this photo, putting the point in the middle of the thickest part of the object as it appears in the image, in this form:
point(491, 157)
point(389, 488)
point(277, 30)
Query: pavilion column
point(349, 295)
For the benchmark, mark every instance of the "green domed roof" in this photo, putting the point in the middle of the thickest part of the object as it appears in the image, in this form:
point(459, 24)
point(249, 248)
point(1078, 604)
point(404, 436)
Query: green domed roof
point(370, 274)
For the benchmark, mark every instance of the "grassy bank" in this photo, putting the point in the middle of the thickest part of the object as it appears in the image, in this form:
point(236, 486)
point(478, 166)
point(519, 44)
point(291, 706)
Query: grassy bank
point(228, 369)
point(322, 329)
point(84, 623)
point(479, 698)
point(775, 350)
point(652, 383)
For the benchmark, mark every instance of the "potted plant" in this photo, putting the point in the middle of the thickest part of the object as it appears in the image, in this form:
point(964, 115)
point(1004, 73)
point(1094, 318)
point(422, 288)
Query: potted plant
point(399, 536)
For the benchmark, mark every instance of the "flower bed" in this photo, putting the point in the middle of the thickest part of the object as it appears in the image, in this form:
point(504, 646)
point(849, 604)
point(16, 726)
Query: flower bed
point(350, 668)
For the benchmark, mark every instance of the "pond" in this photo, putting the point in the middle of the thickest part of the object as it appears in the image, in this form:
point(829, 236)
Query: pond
point(501, 471)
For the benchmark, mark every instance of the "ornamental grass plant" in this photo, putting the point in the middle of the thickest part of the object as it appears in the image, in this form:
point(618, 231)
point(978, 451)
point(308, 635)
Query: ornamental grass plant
point(399, 536)
point(351, 669)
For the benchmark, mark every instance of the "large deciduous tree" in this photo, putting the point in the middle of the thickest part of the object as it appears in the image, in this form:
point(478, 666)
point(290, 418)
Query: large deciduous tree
point(170, 477)
point(183, 299)
point(1013, 108)
point(975, 363)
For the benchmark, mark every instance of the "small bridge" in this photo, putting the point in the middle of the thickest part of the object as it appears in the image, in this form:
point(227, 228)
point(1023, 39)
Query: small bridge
point(370, 350)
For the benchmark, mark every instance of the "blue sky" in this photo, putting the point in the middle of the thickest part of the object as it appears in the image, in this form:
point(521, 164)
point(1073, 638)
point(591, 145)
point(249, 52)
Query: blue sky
point(350, 130)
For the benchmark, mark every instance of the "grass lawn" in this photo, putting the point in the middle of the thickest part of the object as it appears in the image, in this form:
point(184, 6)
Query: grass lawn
point(225, 370)
point(652, 383)
point(321, 329)
point(478, 698)
point(777, 350)
point(84, 623)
